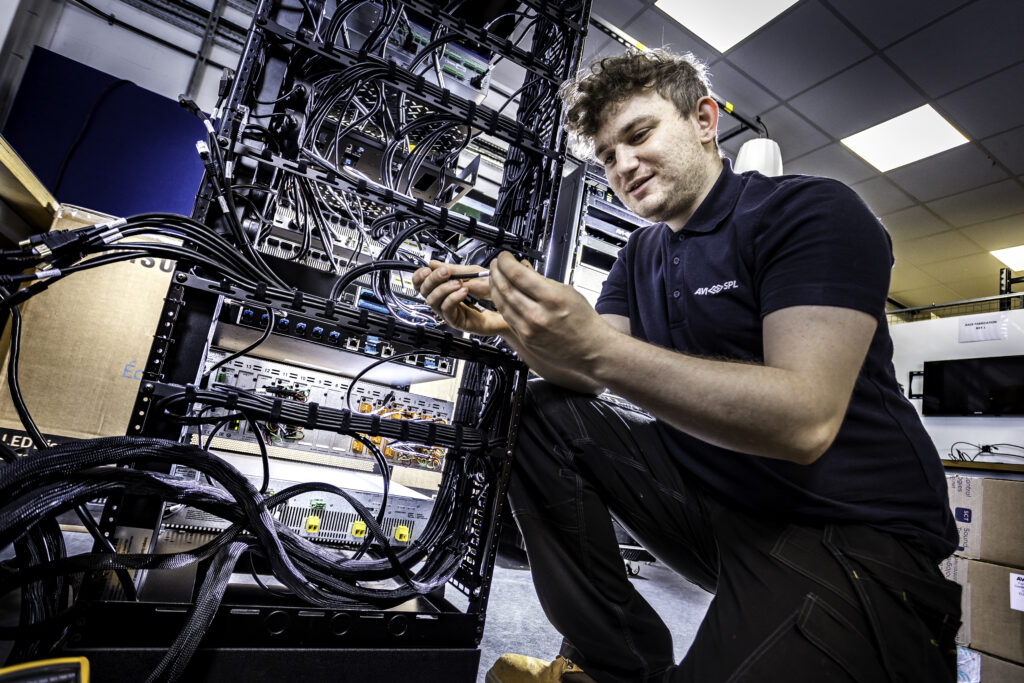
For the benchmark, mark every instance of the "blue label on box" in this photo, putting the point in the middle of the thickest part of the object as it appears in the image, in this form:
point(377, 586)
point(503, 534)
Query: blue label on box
point(962, 515)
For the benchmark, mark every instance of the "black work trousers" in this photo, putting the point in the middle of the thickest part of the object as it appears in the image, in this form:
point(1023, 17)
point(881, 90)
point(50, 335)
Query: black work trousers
point(793, 602)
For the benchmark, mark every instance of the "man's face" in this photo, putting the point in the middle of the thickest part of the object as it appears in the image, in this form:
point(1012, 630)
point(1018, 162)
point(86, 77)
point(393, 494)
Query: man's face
point(654, 158)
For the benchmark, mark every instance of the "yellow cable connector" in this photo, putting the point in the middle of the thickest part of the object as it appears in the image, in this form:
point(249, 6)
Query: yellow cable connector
point(402, 533)
point(359, 529)
point(312, 524)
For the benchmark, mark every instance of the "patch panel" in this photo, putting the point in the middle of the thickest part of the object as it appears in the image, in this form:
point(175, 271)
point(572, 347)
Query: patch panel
point(308, 329)
point(309, 386)
point(322, 517)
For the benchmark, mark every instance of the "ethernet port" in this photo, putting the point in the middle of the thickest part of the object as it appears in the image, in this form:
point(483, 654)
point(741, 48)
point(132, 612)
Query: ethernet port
point(413, 359)
point(443, 365)
point(352, 343)
point(387, 350)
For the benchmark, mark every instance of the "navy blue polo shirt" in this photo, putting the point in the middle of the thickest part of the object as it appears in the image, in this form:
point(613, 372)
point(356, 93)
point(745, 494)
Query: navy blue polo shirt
point(757, 245)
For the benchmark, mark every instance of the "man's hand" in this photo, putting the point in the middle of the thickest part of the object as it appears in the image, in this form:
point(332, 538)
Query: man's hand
point(551, 321)
point(446, 297)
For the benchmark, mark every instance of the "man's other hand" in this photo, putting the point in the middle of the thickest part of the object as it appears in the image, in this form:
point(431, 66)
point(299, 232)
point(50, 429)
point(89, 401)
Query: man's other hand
point(549, 318)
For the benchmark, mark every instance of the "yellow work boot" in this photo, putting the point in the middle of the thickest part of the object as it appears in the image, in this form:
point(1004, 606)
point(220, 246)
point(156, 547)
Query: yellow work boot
point(523, 669)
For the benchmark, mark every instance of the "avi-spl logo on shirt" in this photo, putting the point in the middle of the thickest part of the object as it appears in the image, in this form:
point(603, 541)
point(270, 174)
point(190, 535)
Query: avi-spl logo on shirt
point(715, 289)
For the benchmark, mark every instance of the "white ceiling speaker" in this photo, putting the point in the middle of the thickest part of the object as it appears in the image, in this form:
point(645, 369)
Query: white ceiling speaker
point(760, 154)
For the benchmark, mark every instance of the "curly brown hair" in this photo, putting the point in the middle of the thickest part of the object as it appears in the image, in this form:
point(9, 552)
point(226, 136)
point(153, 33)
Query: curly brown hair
point(680, 78)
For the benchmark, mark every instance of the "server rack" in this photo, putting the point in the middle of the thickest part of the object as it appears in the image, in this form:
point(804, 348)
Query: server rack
point(298, 174)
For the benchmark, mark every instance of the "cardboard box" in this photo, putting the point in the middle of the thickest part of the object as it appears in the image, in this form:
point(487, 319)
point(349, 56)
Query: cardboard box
point(993, 607)
point(988, 514)
point(85, 341)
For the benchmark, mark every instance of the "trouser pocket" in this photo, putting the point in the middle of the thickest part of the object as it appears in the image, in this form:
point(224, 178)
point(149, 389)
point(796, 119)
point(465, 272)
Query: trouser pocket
point(815, 644)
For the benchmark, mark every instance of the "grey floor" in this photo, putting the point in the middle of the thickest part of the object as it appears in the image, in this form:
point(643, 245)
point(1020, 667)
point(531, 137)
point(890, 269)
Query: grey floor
point(516, 623)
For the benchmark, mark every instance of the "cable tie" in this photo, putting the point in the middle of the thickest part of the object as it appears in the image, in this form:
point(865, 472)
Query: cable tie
point(446, 344)
point(419, 85)
point(361, 186)
point(458, 436)
point(111, 225)
point(302, 167)
point(346, 418)
point(446, 96)
point(431, 433)
point(389, 331)
point(111, 235)
point(501, 236)
point(471, 229)
point(232, 399)
point(312, 417)
point(419, 200)
point(471, 115)
point(190, 393)
point(403, 430)
point(275, 410)
point(442, 220)
point(261, 291)
point(375, 424)
point(329, 308)
point(297, 300)
point(364, 318)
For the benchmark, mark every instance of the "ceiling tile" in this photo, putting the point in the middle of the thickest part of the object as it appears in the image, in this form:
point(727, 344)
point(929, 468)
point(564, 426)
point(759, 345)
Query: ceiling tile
point(926, 296)
point(617, 12)
point(998, 200)
point(885, 21)
point(794, 134)
point(990, 106)
point(598, 45)
point(908, 276)
point(833, 161)
point(934, 248)
point(1008, 148)
point(1000, 234)
point(912, 223)
point(956, 170)
point(975, 288)
point(882, 196)
point(977, 265)
point(801, 49)
point(654, 28)
point(968, 44)
point(748, 97)
point(858, 98)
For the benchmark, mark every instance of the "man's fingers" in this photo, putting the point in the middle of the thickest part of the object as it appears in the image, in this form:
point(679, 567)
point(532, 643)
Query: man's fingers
point(522, 277)
point(436, 296)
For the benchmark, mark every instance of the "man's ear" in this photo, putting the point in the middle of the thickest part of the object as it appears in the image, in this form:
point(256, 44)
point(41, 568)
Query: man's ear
point(707, 119)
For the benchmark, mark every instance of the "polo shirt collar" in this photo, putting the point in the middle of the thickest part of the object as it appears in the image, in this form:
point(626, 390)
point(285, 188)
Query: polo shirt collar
point(719, 203)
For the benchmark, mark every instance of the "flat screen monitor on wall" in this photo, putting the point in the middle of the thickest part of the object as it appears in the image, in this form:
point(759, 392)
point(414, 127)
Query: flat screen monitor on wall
point(974, 386)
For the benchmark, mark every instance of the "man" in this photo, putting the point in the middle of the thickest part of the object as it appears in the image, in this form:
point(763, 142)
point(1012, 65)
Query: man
point(782, 469)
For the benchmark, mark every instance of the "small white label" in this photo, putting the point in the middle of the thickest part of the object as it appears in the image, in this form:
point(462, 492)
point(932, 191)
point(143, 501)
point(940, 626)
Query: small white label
point(984, 327)
point(1017, 592)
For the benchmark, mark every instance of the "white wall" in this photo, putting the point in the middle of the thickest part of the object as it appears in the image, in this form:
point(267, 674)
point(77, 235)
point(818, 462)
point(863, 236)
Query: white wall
point(915, 343)
point(86, 38)
point(7, 10)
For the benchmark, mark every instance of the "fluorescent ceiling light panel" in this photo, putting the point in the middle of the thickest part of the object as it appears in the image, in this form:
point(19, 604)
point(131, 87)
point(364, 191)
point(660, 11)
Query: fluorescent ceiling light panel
point(723, 23)
point(1012, 257)
point(909, 137)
